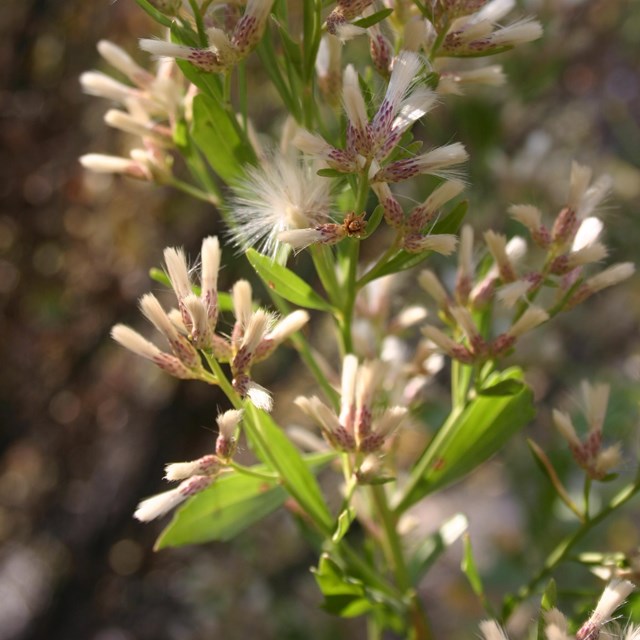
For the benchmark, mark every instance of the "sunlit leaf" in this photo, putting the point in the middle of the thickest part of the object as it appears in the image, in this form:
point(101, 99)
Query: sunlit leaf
point(470, 436)
point(374, 18)
point(218, 139)
point(230, 505)
point(286, 283)
point(276, 450)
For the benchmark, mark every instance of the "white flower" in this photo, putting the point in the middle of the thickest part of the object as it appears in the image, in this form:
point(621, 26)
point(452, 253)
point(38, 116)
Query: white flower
point(280, 195)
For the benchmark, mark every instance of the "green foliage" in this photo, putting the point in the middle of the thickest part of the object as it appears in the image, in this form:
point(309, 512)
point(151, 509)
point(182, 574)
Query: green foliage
point(215, 132)
point(471, 435)
point(222, 511)
point(286, 283)
point(275, 449)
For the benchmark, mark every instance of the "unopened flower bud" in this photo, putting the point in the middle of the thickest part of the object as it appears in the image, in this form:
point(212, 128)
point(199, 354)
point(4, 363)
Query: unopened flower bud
point(162, 503)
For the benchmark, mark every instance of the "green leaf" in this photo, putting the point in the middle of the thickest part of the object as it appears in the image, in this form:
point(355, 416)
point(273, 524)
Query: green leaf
point(343, 595)
point(271, 64)
point(550, 596)
point(274, 448)
point(470, 436)
point(222, 511)
point(373, 221)
point(344, 522)
point(158, 16)
point(503, 388)
point(369, 21)
point(228, 506)
point(225, 301)
point(291, 47)
point(218, 139)
point(430, 549)
point(286, 283)
point(312, 25)
point(330, 173)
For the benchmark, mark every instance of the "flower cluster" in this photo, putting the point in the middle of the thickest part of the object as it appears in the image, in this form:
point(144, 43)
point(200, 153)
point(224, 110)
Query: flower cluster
point(556, 626)
point(568, 248)
point(196, 475)
point(588, 453)
point(357, 428)
point(150, 108)
point(224, 50)
point(191, 329)
point(370, 143)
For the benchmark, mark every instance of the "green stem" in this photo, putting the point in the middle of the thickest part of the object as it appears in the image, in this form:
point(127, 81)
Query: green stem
point(369, 574)
point(352, 269)
point(242, 93)
point(438, 41)
point(223, 381)
point(350, 290)
point(324, 263)
point(586, 492)
point(395, 558)
point(194, 192)
point(202, 34)
point(565, 546)
point(372, 274)
point(393, 546)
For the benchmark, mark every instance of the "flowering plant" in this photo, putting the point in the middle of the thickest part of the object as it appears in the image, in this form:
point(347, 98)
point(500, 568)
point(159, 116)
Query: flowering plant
point(327, 190)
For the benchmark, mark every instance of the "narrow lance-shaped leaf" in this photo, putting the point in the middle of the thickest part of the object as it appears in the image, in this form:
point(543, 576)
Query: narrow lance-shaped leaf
point(470, 436)
point(218, 138)
point(274, 448)
point(286, 283)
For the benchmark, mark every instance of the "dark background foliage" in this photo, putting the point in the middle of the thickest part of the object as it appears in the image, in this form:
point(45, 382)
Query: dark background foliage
point(86, 428)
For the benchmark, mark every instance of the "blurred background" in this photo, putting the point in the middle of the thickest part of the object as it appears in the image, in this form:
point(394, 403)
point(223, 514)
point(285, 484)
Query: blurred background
point(86, 428)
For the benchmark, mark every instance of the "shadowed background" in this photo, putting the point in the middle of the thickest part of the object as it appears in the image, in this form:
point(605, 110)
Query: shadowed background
point(86, 428)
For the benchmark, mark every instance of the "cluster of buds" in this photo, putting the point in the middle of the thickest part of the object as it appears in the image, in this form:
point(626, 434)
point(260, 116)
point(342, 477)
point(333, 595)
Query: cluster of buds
point(150, 107)
point(338, 21)
point(452, 29)
point(195, 475)
point(588, 453)
point(224, 51)
point(455, 29)
point(369, 142)
point(556, 626)
point(468, 344)
point(572, 242)
point(191, 328)
point(570, 246)
point(470, 28)
point(413, 228)
point(355, 428)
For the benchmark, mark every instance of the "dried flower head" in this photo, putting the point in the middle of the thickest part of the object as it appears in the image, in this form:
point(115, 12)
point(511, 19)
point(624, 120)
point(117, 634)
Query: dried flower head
point(281, 195)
